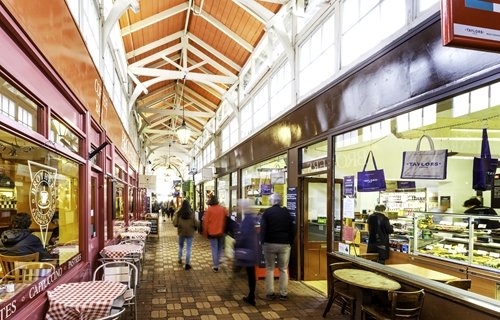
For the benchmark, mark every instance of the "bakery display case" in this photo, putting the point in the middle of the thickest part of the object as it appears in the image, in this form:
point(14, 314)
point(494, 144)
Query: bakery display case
point(464, 239)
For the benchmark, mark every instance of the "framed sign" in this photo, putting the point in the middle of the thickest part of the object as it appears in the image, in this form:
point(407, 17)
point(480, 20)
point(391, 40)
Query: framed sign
point(471, 24)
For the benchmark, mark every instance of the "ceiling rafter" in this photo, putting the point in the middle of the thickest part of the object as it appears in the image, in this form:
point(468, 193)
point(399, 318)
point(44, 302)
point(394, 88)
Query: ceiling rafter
point(154, 19)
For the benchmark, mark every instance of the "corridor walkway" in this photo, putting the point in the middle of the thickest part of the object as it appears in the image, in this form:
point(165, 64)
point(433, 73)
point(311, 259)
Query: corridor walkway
point(169, 292)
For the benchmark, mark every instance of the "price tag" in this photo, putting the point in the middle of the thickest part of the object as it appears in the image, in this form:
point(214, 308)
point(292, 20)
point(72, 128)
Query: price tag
point(495, 254)
point(460, 245)
point(447, 246)
point(461, 250)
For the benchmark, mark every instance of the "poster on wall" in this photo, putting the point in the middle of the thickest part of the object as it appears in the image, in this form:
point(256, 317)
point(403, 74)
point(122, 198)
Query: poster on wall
point(471, 24)
point(348, 208)
point(349, 186)
point(291, 200)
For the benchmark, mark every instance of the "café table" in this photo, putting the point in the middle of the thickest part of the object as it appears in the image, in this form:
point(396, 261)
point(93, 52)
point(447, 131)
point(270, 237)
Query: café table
point(141, 223)
point(423, 272)
point(118, 251)
point(84, 300)
point(364, 282)
point(134, 235)
point(144, 229)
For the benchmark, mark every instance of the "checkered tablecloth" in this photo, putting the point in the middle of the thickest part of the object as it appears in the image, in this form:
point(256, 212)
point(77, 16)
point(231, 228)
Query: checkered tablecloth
point(83, 300)
point(141, 223)
point(134, 235)
point(144, 229)
point(118, 251)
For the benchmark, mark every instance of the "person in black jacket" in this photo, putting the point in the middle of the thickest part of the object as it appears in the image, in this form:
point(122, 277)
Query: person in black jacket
point(379, 229)
point(277, 231)
point(18, 240)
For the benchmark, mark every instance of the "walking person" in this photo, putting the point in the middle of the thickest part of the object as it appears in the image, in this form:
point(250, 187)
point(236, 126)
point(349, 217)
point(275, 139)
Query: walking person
point(214, 221)
point(277, 231)
point(246, 247)
point(185, 223)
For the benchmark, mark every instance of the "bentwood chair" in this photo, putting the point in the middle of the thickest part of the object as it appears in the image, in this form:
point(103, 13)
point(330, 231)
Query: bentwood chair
point(339, 291)
point(124, 272)
point(28, 272)
point(8, 262)
point(115, 314)
point(461, 283)
point(402, 305)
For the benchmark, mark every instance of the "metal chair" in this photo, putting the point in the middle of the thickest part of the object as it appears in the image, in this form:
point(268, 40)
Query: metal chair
point(340, 290)
point(114, 314)
point(124, 272)
point(28, 272)
point(461, 283)
point(403, 305)
point(8, 262)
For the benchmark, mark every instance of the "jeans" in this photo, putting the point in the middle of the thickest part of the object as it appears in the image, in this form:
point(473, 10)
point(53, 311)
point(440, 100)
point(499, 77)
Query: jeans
point(281, 253)
point(217, 246)
point(189, 242)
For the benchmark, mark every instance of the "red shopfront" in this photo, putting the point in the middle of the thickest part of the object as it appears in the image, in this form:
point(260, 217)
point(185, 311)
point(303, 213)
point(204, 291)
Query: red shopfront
point(50, 128)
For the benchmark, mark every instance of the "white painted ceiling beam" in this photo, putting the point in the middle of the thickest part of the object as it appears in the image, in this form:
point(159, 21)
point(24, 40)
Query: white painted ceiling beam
point(211, 61)
point(153, 45)
point(172, 74)
point(119, 7)
point(257, 10)
point(216, 53)
point(172, 112)
point(231, 34)
point(156, 56)
point(154, 19)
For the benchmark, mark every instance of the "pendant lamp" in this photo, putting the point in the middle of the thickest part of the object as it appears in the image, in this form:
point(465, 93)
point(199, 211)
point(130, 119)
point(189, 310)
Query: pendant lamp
point(183, 132)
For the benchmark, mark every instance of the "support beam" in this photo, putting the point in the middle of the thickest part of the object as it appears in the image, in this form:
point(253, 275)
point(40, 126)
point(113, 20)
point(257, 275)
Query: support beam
point(257, 10)
point(231, 34)
point(119, 7)
point(155, 44)
point(154, 19)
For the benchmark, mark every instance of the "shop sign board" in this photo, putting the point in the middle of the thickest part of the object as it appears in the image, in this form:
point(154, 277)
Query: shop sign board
point(147, 181)
point(471, 24)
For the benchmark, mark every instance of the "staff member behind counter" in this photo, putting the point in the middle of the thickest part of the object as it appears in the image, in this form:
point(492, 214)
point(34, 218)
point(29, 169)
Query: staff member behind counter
point(379, 229)
point(475, 207)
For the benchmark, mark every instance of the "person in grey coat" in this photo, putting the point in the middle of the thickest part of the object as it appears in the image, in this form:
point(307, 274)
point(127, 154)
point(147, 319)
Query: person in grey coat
point(185, 223)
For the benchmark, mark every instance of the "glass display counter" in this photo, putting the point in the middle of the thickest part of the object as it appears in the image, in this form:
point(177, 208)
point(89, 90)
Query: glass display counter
point(470, 240)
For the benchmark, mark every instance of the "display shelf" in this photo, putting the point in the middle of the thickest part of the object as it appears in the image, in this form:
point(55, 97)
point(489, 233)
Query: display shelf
point(456, 240)
point(404, 200)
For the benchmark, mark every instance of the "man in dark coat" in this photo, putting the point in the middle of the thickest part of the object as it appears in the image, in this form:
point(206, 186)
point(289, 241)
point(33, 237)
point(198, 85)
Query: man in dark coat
point(18, 240)
point(277, 231)
point(379, 229)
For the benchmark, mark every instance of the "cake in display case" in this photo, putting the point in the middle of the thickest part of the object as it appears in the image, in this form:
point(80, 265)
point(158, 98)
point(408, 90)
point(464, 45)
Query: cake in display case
point(470, 240)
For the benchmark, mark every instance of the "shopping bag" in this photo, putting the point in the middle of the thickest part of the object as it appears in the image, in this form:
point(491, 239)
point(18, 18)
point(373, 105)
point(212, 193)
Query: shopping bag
point(484, 168)
point(244, 254)
point(373, 180)
point(430, 164)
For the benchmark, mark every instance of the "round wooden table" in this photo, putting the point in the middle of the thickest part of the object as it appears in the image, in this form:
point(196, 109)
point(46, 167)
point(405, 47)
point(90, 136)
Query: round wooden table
point(366, 279)
point(363, 282)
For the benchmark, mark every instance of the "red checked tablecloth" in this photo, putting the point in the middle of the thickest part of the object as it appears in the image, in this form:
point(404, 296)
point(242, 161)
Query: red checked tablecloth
point(83, 300)
point(118, 251)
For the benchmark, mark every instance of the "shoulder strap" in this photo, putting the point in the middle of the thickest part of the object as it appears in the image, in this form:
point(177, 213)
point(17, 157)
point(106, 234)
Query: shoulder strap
point(373, 159)
point(485, 146)
point(429, 139)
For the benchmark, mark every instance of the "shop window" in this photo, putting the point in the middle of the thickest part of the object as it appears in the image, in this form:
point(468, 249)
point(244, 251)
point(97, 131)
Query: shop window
point(314, 157)
point(17, 106)
point(45, 186)
point(454, 124)
point(263, 179)
point(62, 135)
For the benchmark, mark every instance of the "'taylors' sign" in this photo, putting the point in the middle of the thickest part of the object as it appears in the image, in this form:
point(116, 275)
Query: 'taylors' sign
point(471, 24)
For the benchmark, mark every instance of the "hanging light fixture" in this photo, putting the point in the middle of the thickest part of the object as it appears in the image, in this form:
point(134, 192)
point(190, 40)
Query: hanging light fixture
point(169, 171)
point(183, 132)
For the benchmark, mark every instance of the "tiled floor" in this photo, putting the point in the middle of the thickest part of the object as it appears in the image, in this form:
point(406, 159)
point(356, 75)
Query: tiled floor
point(169, 292)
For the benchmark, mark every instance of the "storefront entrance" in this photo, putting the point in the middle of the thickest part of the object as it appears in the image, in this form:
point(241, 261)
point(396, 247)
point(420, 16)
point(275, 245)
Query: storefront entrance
point(314, 209)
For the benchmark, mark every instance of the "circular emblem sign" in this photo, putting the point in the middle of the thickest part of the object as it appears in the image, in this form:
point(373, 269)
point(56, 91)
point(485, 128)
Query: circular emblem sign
point(42, 197)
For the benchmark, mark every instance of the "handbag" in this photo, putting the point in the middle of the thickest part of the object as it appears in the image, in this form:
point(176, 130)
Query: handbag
point(369, 181)
point(430, 164)
point(244, 254)
point(484, 168)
